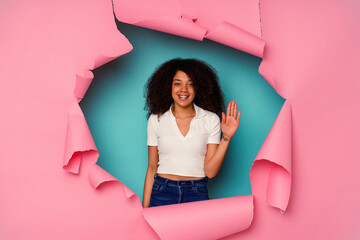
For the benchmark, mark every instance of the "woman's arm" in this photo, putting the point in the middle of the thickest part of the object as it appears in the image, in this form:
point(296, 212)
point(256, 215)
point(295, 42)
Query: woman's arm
point(214, 158)
point(216, 152)
point(151, 170)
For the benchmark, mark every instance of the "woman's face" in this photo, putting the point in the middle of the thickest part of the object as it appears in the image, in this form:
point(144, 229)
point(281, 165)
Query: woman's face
point(183, 91)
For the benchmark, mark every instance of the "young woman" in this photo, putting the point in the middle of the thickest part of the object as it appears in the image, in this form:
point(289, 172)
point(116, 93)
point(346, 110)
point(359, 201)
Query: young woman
point(184, 101)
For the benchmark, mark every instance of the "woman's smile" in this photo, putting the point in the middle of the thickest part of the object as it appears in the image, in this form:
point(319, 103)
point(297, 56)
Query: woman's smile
point(183, 97)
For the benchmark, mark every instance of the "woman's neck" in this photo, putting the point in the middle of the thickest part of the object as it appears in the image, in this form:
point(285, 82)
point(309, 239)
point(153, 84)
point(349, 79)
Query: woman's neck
point(183, 112)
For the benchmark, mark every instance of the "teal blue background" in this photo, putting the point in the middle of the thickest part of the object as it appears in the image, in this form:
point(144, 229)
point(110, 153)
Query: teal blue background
point(114, 107)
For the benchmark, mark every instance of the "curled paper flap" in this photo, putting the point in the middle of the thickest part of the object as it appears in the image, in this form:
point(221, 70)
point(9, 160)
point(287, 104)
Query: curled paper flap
point(278, 188)
point(277, 145)
point(98, 176)
point(266, 72)
point(82, 84)
point(128, 192)
point(210, 219)
point(277, 150)
point(78, 139)
point(73, 165)
point(235, 37)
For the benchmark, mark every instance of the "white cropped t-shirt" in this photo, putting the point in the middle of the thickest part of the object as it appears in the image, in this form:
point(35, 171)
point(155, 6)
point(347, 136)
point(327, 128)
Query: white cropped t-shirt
point(181, 155)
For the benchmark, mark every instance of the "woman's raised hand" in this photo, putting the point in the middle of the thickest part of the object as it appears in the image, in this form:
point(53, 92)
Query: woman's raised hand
point(230, 122)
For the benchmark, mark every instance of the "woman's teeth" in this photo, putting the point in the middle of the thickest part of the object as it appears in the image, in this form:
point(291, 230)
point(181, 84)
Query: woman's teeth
point(183, 98)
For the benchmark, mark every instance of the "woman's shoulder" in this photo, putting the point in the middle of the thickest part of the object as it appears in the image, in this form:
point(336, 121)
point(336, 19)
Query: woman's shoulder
point(153, 118)
point(210, 119)
point(208, 115)
point(156, 118)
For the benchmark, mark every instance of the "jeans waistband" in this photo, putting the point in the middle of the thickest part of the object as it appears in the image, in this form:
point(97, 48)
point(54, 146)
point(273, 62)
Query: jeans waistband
point(183, 183)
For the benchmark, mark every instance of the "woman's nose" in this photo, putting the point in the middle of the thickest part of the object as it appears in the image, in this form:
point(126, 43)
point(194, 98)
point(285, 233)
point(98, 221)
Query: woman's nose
point(184, 88)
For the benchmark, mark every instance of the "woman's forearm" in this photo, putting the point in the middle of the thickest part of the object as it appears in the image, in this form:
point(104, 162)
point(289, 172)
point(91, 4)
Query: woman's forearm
point(149, 180)
point(213, 165)
point(229, 124)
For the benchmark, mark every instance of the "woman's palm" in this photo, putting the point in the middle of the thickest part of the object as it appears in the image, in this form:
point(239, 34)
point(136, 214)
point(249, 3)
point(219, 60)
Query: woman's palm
point(230, 122)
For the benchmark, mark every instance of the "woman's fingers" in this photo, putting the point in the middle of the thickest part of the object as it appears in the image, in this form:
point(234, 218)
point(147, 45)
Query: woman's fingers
point(238, 117)
point(232, 110)
point(228, 110)
point(235, 109)
point(223, 120)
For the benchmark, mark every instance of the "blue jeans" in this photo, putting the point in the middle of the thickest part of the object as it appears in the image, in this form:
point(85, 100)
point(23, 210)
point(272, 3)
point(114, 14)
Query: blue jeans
point(166, 191)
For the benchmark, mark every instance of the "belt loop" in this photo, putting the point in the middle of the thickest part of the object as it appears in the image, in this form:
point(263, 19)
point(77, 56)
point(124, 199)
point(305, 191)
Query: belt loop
point(193, 183)
point(166, 180)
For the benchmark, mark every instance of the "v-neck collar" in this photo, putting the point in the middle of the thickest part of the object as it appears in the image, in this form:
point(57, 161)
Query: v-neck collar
point(198, 113)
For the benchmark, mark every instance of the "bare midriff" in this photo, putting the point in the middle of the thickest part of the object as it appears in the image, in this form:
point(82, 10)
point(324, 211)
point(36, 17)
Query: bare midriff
point(177, 177)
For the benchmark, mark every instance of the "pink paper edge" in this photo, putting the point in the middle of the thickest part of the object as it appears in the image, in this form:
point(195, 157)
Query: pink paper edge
point(238, 220)
point(247, 42)
point(280, 134)
point(244, 41)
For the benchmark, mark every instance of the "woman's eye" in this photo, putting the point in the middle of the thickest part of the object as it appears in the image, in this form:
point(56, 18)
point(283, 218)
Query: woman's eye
point(177, 84)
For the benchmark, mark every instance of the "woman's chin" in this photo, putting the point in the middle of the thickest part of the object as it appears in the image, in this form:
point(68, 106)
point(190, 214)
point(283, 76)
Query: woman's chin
point(184, 104)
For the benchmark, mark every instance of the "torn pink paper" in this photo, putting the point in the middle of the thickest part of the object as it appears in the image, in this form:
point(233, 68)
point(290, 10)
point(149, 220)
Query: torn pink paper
point(162, 16)
point(235, 37)
point(82, 84)
point(277, 149)
point(180, 19)
point(212, 219)
point(235, 24)
point(78, 139)
point(178, 26)
point(211, 13)
point(310, 47)
point(98, 176)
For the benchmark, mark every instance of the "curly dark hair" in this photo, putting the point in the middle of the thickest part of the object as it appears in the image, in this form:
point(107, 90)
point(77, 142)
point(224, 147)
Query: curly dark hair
point(208, 94)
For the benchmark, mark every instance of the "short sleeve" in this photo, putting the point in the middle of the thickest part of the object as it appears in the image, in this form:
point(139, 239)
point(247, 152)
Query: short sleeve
point(152, 139)
point(215, 132)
